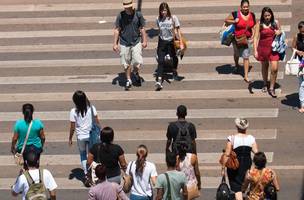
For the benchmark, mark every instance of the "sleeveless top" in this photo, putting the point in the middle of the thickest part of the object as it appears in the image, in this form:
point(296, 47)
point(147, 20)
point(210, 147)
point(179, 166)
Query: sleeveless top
point(300, 44)
point(258, 180)
point(188, 169)
point(242, 145)
point(244, 26)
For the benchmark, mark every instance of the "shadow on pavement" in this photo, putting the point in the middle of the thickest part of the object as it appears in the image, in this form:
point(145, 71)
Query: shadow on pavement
point(152, 33)
point(225, 69)
point(120, 80)
point(291, 100)
point(77, 173)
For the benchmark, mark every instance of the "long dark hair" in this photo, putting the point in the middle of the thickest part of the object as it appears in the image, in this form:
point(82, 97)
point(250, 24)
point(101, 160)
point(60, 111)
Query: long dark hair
point(106, 137)
point(81, 102)
point(162, 7)
point(142, 153)
point(182, 151)
point(262, 20)
point(28, 110)
point(244, 1)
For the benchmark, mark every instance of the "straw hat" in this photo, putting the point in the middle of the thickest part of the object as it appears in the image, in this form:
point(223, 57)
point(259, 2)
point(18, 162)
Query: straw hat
point(127, 3)
point(241, 123)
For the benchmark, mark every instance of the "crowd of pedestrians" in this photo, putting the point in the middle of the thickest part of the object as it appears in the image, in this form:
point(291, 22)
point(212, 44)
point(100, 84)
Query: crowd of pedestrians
point(182, 178)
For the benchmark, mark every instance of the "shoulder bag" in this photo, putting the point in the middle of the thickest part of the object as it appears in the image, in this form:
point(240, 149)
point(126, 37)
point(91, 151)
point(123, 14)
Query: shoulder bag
point(177, 40)
point(223, 191)
point(18, 156)
point(128, 180)
point(169, 196)
point(232, 162)
point(95, 131)
point(292, 66)
point(91, 178)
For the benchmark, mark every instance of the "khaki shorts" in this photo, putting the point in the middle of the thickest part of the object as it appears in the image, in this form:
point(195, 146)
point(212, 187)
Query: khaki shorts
point(131, 55)
point(243, 52)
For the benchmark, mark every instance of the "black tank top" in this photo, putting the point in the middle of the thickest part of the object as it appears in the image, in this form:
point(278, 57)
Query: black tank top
point(300, 42)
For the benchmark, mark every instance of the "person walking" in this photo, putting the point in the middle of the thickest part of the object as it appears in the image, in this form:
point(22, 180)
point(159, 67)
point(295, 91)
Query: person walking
point(188, 163)
point(298, 44)
point(81, 124)
point(168, 26)
point(28, 132)
point(129, 30)
point(144, 175)
point(34, 181)
point(170, 184)
point(111, 155)
point(266, 30)
point(244, 21)
point(105, 190)
point(259, 177)
point(242, 144)
point(181, 130)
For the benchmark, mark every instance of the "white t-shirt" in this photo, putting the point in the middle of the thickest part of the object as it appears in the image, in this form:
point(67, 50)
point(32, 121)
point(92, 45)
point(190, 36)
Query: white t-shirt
point(21, 184)
point(166, 25)
point(237, 140)
point(141, 184)
point(83, 125)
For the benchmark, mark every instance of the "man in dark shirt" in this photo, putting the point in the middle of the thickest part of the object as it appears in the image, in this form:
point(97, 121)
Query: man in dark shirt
point(129, 30)
point(172, 130)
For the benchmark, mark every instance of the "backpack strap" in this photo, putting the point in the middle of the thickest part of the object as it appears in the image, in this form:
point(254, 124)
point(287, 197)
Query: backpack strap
point(180, 125)
point(234, 14)
point(41, 176)
point(29, 178)
point(169, 186)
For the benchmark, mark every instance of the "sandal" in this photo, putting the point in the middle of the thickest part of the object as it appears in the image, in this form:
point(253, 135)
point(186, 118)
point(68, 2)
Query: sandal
point(264, 89)
point(272, 93)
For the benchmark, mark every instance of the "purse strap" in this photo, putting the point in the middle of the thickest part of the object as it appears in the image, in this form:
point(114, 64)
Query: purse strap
point(293, 54)
point(26, 137)
point(169, 187)
point(92, 115)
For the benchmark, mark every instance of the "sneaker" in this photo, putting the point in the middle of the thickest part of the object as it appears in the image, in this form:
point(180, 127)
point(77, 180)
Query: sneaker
point(137, 79)
point(128, 84)
point(175, 76)
point(158, 86)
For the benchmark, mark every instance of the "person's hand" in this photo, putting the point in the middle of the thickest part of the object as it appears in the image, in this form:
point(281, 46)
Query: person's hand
point(236, 20)
point(115, 48)
point(13, 150)
point(223, 171)
point(277, 32)
point(256, 55)
point(144, 45)
point(70, 142)
point(181, 45)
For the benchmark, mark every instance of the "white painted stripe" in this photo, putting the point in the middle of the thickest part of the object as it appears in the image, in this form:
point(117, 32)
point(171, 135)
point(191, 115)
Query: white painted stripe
point(112, 62)
point(101, 32)
point(108, 78)
point(74, 184)
point(137, 95)
point(111, 19)
point(157, 158)
point(153, 114)
point(146, 5)
point(156, 135)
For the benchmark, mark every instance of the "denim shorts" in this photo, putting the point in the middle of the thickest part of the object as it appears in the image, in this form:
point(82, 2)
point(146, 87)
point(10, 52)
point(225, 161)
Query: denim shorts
point(137, 197)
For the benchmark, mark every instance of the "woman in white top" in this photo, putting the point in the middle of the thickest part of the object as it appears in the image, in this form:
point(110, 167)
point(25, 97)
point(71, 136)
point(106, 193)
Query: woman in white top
point(243, 145)
point(144, 175)
point(81, 124)
point(188, 163)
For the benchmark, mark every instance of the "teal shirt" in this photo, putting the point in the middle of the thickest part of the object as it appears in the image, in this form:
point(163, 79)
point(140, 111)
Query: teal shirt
point(177, 181)
point(21, 128)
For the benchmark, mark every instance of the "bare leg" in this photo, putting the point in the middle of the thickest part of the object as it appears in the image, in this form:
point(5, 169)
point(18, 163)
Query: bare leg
point(236, 60)
point(128, 73)
point(238, 196)
point(265, 66)
point(246, 69)
point(273, 74)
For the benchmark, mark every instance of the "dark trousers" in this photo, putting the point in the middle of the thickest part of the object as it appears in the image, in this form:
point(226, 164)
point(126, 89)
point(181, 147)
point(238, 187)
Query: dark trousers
point(164, 48)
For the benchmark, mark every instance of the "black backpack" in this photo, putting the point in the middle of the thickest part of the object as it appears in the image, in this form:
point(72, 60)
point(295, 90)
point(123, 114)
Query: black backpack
point(270, 191)
point(183, 137)
point(223, 192)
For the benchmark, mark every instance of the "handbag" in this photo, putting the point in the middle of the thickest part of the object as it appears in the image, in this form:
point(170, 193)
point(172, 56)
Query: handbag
point(95, 132)
point(91, 178)
point(227, 34)
point(223, 191)
point(241, 40)
point(18, 157)
point(292, 66)
point(193, 192)
point(128, 180)
point(232, 162)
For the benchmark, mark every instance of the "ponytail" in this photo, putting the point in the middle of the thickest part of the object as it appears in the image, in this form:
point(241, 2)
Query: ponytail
point(27, 110)
point(142, 153)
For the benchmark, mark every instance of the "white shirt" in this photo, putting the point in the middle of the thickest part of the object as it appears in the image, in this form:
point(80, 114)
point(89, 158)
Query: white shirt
point(237, 140)
point(166, 26)
point(141, 184)
point(21, 184)
point(83, 125)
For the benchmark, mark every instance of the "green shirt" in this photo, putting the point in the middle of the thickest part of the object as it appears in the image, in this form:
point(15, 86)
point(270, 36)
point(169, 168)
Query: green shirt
point(21, 128)
point(177, 181)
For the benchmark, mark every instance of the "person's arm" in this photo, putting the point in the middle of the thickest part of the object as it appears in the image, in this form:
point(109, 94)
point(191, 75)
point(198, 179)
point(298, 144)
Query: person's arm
point(254, 147)
point(122, 162)
point(169, 139)
point(194, 162)
point(159, 194)
point(42, 137)
point(230, 20)
point(72, 130)
point(116, 39)
point(14, 141)
point(53, 194)
point(185, 192)
point(276, 181)
point(294, 42)
point(256, 39)
point(143, 37)
point(278, 31)
point(226, 155)
point(90, 159)
point(153, 180)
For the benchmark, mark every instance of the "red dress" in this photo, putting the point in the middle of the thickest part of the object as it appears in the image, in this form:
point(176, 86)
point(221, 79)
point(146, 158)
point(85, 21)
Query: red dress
point(264, 49)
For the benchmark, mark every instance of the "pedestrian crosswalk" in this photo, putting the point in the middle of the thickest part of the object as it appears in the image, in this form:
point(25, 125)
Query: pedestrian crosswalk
point(50, 49)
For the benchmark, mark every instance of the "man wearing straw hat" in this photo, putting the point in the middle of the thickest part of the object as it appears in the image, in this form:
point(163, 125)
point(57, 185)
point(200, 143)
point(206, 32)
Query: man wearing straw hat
point(130, 33)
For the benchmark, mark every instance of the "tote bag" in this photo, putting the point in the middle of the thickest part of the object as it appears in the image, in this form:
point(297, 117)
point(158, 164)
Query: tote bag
point(292, 66)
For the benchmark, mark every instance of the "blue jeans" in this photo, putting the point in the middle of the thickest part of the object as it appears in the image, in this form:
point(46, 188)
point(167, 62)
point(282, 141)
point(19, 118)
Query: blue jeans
point(301, 91)
point(137, 197)
point(83, 147)
point(115, 179)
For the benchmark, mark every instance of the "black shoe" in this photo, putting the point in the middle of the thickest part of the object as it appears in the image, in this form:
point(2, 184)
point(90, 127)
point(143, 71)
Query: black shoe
point(137, 79)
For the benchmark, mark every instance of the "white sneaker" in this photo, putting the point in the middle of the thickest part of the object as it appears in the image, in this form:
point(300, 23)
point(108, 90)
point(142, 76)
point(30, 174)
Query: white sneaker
point(128, 84)
point(158, 86)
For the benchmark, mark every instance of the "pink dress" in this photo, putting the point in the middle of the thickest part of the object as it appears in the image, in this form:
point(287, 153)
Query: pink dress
point(264, 49)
